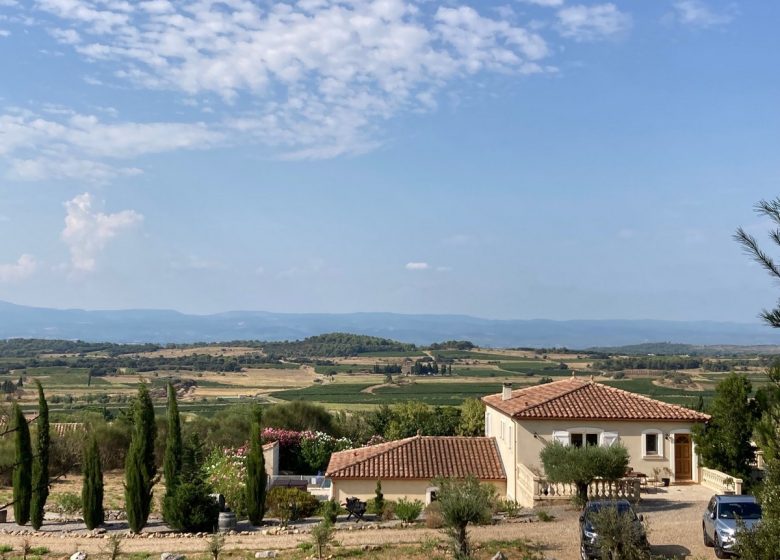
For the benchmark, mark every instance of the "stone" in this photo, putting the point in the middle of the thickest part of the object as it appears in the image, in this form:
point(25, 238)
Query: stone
point(171, 556)
point(265, 554)
point(499, 556)
point(78, 556)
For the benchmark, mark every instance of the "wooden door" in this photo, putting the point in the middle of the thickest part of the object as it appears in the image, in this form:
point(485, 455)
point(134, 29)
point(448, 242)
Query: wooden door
point(683, 457)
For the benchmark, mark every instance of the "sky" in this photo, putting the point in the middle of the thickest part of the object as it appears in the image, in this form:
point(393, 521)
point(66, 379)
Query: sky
point(561, 159)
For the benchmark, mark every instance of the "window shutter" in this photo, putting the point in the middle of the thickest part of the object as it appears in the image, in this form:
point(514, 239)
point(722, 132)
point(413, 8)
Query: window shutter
point(561, 437)
point(608, 439)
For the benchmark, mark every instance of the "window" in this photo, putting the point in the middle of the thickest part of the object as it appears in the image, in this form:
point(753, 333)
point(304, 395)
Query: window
point(488, 420)
point(584, 438)
point(651, 444)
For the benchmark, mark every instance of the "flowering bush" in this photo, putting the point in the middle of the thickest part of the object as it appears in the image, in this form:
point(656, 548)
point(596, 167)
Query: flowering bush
point(317, 447)
point(225, 470)
point(305, 452)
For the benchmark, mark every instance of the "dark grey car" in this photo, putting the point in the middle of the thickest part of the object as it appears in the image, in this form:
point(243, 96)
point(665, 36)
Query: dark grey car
point(721, 521)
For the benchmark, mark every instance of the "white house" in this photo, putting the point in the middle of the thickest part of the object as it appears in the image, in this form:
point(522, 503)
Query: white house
point(577, 411)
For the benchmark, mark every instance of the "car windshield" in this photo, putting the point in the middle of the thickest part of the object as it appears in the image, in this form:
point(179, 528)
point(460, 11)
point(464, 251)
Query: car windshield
point(734, 510)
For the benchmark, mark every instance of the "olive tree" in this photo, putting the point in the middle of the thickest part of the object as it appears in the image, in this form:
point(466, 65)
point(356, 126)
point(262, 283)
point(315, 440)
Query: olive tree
point(463, 501)
point(582, 465)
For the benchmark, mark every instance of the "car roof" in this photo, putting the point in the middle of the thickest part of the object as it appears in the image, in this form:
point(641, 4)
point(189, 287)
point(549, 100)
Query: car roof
point(732, 498)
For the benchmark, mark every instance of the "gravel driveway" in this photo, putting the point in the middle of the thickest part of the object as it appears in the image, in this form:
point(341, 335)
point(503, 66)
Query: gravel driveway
point(673, 515)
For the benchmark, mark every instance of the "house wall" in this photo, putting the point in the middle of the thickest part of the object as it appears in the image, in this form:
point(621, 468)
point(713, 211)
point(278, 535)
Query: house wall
point(522, 447)
point(271, 456)
point(412, 489)
point(502, 429)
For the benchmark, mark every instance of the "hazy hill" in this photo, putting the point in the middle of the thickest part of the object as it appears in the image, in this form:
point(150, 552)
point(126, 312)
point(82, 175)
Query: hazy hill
point(171, 326)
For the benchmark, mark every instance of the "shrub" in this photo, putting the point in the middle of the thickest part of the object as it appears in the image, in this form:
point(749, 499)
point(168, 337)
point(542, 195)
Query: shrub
point(329, 510)
point(408, 510)
point(92, 487)
point(190, 508)
point(433, 516)
point(464, 502)
point(379, 499)
point(226, 473)
point(509, 507)
point(543, 516)
point(290, 504)
point(388, 511)
point(322, 535)
point(619, 535)
point(68, 503)
point(580, 465)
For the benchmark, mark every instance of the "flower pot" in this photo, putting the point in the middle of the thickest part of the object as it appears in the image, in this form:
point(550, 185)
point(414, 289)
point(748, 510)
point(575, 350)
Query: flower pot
point(665, 481)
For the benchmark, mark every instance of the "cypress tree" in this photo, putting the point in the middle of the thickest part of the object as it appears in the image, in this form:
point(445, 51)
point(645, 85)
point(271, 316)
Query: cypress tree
point(256, 477)
point(22, 476)
point(40, 470)
point(139, 465)
point(173, 449)
point(92, 488)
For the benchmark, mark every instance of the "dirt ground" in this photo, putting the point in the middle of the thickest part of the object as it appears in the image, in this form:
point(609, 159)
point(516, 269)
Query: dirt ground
point(673, 515)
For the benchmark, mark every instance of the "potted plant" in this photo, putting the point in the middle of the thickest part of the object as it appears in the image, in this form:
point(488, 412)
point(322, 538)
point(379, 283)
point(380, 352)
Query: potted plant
point(666, 475)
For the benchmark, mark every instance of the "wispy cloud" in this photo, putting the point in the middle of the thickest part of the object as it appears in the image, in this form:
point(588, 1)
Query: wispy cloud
point(63, 144)
point(592, 23)
point(87, 232)
point(24, 267)
point(697, 13)
point(417, 266)
point(322, 76)
point(545, 3)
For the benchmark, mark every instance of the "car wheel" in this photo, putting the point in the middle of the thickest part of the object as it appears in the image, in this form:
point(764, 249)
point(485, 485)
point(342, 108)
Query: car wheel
point(707, 540)
point(719, 552)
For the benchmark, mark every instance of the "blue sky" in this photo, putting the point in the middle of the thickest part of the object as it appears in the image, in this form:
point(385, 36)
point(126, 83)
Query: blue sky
point(518, 159)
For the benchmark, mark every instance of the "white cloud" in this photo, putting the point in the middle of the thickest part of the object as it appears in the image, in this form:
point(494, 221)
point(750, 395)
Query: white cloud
point(545, 3)
point(87, 232)
point(322, 76)
point(23, 268)
point(69, 145)
point(698, 14)
point(417, 266)
point(591, 23)
point(5, 33)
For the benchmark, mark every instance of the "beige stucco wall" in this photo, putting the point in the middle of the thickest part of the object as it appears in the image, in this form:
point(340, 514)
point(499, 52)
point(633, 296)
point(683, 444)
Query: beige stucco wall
point(412, 489)
point(523, 447)
point(271, 456)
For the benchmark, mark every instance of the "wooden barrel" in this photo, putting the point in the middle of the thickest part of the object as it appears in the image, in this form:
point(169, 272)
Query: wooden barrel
point(227, 521)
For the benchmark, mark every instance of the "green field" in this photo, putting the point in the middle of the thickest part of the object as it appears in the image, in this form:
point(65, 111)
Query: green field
point(430, 393)
point(535, 368)
point(393, 354)
point(61, 375)
point(342, 368)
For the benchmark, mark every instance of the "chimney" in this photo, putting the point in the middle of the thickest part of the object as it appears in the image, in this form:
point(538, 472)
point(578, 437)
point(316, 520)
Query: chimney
point(506, 393)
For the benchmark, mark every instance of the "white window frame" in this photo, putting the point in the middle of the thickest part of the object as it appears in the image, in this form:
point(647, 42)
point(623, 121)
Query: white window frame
point(660, 443)
point(608, 439)
point(562, 436)
point(488, 420)
point(584, 431)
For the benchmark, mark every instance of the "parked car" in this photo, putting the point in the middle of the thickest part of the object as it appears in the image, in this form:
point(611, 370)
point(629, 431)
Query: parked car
point(721, 521)
point(590, 546)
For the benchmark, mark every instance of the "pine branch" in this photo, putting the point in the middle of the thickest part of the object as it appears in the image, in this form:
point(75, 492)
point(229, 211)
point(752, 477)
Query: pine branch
point(750, 246)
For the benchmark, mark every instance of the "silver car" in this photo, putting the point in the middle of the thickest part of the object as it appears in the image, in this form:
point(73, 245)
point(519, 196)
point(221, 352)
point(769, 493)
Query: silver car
point(721, 521)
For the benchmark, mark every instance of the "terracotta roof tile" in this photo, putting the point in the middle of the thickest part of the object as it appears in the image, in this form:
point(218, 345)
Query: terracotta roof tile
point(578, 398)
point(421, 457)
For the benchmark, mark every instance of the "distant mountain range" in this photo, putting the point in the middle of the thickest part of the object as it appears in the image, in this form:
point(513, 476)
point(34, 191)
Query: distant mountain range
point(160, 326)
